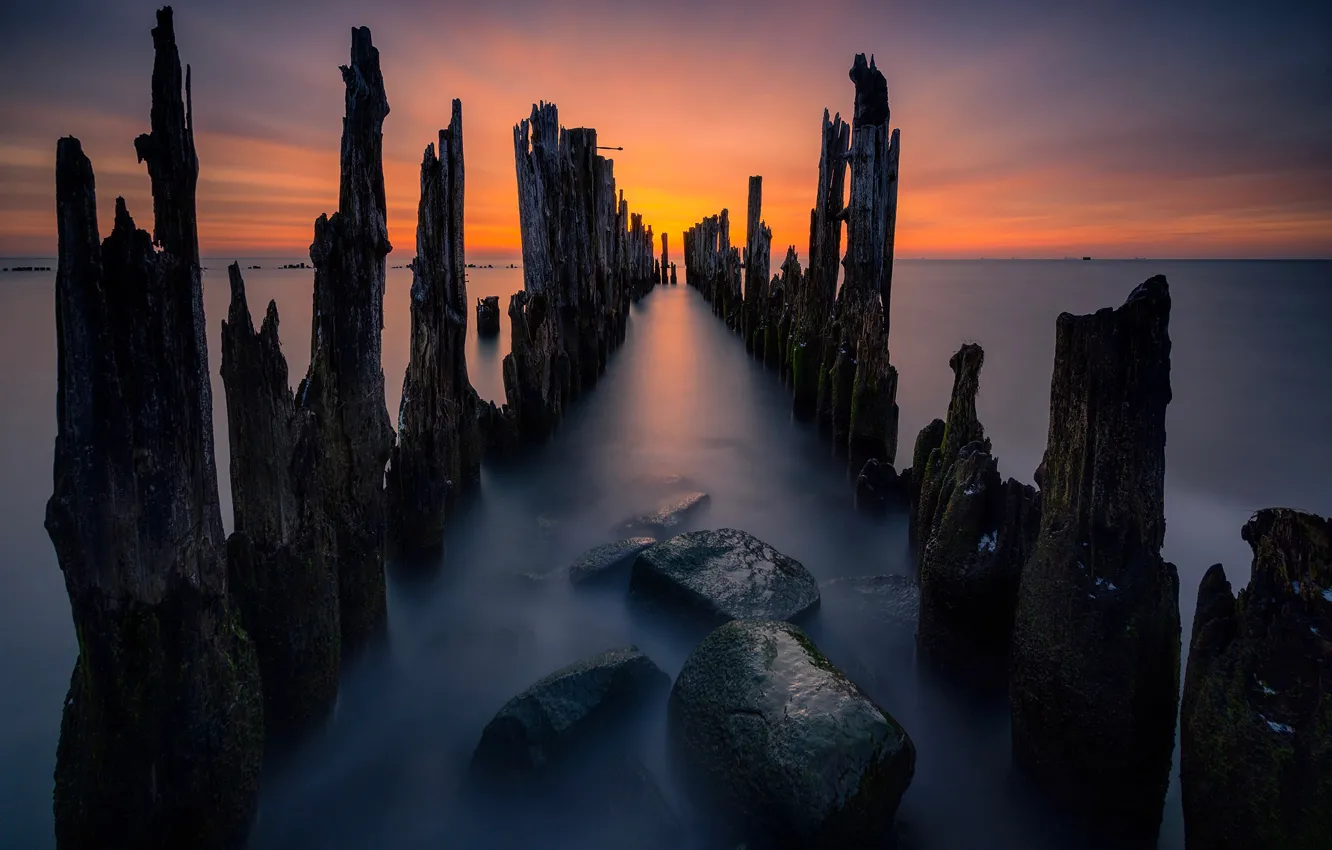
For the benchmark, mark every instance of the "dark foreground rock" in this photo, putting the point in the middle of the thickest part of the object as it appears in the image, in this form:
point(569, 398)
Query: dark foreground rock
point(715, 576)
point(781, 748)
point(1255, 719)
point(605, 564)
point(667, 516)
point(1095, 665)
point(161, 739)
point(548, 720)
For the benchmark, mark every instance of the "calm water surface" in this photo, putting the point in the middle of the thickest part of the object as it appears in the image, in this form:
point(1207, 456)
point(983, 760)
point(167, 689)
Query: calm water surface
point(1247, 429)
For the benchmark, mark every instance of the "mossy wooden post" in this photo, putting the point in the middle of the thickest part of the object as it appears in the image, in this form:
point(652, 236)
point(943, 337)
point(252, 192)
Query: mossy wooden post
point(870, 424)
point(665, 267)
point(438, 454)
point(1255, 718)
point(161, 738)
point(343, 392)
point(1095, 670)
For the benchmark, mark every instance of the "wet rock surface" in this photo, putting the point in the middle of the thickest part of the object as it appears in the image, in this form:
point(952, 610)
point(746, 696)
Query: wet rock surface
point(551, 718)
point(608, 563)
point(1255, 720)
point(668, 516)
point(1095, 666)
point(779, 748)
point(715, 576)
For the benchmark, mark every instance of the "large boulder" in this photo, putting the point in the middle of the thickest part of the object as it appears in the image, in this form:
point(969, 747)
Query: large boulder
point(1255, 719)
point(721, 575)
point(607, 563)
point(780, 747)
point(1094, 680)
point(667, 516)
point(548, 720)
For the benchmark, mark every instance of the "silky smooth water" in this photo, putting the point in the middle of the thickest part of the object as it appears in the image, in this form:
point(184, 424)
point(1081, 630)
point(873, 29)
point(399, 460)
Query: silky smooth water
point(1248, 428)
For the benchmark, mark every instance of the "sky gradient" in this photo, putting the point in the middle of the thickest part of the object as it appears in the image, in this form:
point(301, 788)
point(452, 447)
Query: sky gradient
point(1028, 129)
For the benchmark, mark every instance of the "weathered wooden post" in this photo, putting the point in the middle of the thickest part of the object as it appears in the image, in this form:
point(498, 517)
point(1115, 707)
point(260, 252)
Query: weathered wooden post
point(869, 415)
point(438, 453)
point(811, 352)
point(758, 248)
point(281, 561)
point(161, 739)
point(343, 392)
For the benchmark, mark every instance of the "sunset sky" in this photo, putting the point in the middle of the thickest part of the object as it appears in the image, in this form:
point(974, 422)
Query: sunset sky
point(1028, 129)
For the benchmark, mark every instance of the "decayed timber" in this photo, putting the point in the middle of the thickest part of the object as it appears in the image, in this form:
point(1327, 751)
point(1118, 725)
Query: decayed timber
point(829, 343)
point(438, 453)
point(585, 257)
point(161, 740)
point(758, 262)
point(280, 556)
point(342, 395)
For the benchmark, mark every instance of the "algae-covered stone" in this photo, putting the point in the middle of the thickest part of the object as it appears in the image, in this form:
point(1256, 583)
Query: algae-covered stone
point(724, 575)
point(604, 564)
point(781, 747)
point(547, 720)
point(1255, 719)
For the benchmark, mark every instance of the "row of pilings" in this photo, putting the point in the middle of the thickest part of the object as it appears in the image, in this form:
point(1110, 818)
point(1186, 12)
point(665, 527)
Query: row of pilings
point(202, 657)
point(1057, 597)
point(585, 258)
point(829, 344)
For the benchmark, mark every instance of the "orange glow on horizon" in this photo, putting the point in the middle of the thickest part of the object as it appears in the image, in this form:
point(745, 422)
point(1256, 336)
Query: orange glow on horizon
point(689, 148)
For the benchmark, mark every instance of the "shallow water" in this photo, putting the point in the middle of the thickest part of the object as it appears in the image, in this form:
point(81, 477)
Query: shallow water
point(683, 407)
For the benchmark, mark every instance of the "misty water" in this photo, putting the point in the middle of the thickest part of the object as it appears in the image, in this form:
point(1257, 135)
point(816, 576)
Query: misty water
point(683, 407)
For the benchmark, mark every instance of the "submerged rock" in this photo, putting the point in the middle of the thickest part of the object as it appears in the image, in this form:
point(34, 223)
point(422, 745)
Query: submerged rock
point(723, 575)
point(780, 747)
point(667, 516)
point(607, 563)
point(1095, 663)
point(548, 720)
point(161, 737)
point(488, 315)
point(1255, 748)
